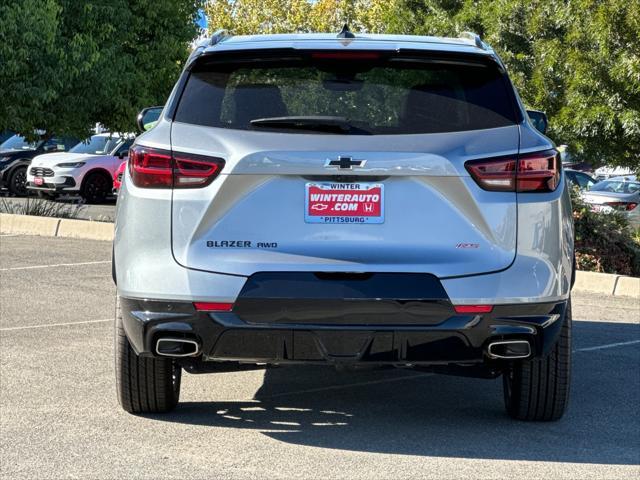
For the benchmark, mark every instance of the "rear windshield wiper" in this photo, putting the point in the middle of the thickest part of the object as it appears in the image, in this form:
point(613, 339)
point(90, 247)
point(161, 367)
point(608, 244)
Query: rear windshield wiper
point(318, 123)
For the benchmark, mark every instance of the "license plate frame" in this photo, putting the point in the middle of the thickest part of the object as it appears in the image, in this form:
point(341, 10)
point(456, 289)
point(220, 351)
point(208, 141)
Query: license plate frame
point(364, 204)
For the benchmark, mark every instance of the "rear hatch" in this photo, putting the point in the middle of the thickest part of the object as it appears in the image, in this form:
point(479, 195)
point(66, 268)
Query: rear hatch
point(345, 163)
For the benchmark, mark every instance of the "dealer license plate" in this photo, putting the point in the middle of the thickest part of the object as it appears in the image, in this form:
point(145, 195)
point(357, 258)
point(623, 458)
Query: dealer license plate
point(344, 203)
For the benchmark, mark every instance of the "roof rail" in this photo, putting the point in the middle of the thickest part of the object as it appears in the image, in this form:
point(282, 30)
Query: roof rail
point(218, 36)
point(475, 38)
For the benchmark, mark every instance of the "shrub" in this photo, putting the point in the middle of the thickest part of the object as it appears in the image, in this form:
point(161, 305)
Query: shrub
point(40, 208)
point(604, 242)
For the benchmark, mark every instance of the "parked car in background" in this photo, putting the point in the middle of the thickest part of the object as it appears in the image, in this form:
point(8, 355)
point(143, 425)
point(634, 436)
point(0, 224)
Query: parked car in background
point(618, 193)
point(87, 169)
point(603, 173)
point(16, 153)
point(582, 180)
point(5, 135)
point(117, 179)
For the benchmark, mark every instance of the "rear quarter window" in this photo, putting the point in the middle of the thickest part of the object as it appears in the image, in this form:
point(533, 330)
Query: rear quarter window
point(390, 96)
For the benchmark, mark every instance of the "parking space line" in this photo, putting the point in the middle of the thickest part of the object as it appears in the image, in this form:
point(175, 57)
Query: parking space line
point(32, 267)
point(348, 385)
point(26, 327)
point(608, 345)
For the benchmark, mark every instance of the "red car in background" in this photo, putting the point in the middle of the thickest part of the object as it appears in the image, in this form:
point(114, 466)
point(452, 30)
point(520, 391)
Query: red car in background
point(117, 178)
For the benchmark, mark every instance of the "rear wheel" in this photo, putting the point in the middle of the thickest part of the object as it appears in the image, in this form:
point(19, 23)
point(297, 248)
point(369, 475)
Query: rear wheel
point(96, 187)
point(144, 384)
point(538, 389)
point(18, 182)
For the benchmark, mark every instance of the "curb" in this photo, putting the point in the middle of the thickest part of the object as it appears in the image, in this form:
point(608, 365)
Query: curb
point(55, 227)
point(593, 282)
point(607, 284)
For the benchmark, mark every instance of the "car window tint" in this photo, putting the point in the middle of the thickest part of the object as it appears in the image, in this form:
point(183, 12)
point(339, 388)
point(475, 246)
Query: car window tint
point(378, 97)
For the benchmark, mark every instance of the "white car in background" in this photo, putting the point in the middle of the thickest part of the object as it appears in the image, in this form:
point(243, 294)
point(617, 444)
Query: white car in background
point(87, 169)
point(620, 194)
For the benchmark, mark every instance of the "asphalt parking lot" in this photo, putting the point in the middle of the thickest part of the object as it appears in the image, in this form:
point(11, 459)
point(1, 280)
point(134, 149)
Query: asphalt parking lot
point(59, 417)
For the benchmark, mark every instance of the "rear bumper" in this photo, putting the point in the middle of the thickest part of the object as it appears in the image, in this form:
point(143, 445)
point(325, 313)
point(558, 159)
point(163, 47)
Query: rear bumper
point(61, 184)
point(453, 339)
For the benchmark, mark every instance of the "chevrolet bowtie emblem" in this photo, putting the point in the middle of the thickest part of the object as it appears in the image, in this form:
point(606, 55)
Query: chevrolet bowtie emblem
point(345, 163)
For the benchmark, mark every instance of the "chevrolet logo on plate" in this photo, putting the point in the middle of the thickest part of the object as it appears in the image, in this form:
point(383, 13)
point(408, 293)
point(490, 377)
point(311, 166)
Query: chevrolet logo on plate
point(344, 163)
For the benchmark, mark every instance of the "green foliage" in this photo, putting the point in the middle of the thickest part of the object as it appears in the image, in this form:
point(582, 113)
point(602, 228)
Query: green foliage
point(67, 64)
point(243, 17)
point(604, 242)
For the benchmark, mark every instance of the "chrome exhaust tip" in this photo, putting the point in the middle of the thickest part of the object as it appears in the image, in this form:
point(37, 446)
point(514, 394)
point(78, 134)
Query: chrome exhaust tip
point(509, 349)
point(177, 347)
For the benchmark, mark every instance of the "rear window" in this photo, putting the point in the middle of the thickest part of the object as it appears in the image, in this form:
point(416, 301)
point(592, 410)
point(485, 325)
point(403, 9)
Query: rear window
point(374, 96)
point(615, 186)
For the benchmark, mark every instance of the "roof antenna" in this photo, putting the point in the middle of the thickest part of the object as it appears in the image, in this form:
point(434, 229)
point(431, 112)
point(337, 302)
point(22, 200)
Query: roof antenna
point(345, 33)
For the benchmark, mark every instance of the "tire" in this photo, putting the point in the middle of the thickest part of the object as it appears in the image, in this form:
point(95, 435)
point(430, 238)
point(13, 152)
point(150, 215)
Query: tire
point(96, 187)
point(18, 182)
point(538, 389)
point(47, 195)
point(144, 384)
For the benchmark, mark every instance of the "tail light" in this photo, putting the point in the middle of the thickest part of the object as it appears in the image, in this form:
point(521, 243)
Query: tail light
point(622, 205)
point(533, 172)
point(155, 168)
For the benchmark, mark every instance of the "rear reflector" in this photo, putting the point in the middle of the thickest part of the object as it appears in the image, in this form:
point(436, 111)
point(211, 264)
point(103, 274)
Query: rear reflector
point(155, 168)
point(473, 308)
point(213, 306)
point(533, 172)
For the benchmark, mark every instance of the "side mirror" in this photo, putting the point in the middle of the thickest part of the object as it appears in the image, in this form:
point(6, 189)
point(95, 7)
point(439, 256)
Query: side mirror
point(122, 154)
point(148, 117)
point(539, 120)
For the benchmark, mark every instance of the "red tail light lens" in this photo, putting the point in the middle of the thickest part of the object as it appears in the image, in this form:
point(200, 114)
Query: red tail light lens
point(191, 171)
point(155, 168)
point(150, 168)
point(497, 175)
point(534, 172)
point(539, 172)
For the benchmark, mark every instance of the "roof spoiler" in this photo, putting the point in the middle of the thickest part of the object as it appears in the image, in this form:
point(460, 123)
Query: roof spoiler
point(475, 39)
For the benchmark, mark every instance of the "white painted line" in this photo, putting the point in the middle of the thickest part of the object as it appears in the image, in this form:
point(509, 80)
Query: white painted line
point(32, 267)
point(26, 327)
point(608, 345)
point(9, 235)
point(349, 385)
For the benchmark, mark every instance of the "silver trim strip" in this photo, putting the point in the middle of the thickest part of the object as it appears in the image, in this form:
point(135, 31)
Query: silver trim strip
point(179, 340)
point(508, 342)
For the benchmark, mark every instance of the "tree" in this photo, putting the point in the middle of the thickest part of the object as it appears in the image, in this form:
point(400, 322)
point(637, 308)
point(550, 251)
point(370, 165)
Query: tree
point(67, 64)
point(288, 16)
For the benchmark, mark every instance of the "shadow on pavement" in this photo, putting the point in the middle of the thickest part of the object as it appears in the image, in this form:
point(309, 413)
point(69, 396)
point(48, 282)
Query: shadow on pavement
point(402, 412)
